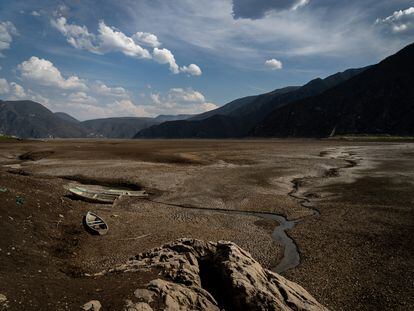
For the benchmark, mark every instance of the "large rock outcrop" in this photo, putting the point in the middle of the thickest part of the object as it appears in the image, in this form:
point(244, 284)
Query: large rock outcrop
point(198, 275)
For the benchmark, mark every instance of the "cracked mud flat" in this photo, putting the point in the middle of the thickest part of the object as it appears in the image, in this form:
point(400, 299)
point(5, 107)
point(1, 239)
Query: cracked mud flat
point(337, 195)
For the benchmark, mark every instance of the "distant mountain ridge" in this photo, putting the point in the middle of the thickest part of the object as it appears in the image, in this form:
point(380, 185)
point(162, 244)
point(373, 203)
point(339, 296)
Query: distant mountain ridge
point(67, 117)
point(238, 118)
point(166, 117)
point(28, 119)
point(117, 127)
point(379, 100)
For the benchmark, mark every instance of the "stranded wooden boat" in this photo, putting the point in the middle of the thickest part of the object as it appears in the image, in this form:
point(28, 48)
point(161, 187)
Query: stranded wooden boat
point(118, 192)
point(93, 196)
point(95, 224)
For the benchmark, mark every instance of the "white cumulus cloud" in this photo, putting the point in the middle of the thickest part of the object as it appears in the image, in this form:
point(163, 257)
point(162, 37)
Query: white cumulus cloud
point(112, 40)
point(102, 89)
point(109, 39)
point(146, 38)
point(4, 86)
point(273, 64)
point(185, 95)
point(82, 97)
point(299, 4)
point(38, 98)
point(155, 98)
point(179, 101)
point(208, 106)
point(164, 56)
point(256, 9)
point(43, 72)
point(15, 91)
point(399, 21)
point(77, 36)
point(7, 30)
point(191, 69)
point(91, 110)
point(127, 108)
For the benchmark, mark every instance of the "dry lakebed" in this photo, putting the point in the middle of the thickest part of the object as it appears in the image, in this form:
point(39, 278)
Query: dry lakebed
point(334, 216)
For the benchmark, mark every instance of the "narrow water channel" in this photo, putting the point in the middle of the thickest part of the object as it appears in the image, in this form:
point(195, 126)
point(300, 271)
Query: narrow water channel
point(291, 257)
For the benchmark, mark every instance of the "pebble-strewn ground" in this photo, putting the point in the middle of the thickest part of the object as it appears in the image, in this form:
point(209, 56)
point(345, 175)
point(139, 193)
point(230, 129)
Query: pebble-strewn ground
point(356, 255)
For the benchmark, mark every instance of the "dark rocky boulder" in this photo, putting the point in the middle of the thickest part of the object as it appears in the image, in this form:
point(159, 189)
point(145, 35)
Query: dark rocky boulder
point(198, 275)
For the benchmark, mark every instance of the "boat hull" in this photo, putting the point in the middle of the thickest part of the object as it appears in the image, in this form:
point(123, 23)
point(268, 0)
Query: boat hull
point(94, 197)
point(95, 224)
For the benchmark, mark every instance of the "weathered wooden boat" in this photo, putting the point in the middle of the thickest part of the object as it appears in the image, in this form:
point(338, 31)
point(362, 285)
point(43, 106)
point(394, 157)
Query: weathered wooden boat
point(94, 196)
point(95, 224)
point(118, 192)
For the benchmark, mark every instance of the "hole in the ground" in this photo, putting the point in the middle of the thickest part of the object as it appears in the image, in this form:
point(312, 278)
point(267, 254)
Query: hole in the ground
point(72, 271)
point(212, 281)
point(19, 172)
point(332, 172)
point(72, 197)
point(106, 182)
point(35, 155)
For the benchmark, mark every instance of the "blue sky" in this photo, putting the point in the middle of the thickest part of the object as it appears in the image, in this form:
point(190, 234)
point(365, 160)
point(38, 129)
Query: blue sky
point(143, 58)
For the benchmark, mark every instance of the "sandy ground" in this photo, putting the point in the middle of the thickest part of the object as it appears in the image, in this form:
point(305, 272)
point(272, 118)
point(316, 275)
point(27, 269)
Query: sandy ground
point(355, 255)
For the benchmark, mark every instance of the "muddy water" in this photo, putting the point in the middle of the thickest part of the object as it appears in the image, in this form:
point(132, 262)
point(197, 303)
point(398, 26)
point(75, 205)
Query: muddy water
point(291, 257)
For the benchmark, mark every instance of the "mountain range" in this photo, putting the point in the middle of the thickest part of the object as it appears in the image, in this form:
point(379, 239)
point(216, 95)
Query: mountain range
point(238, 118)
point(28, 119)
point(377, 99)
